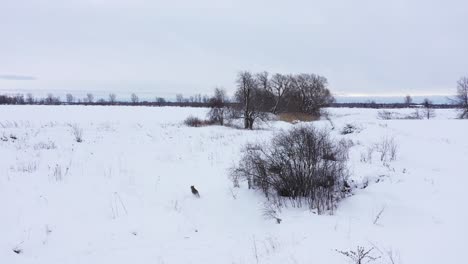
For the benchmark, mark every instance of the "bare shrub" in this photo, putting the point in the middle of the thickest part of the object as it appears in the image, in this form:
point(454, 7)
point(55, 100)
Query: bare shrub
point(349, 129)
point(389, 255)
point(270, 211)
point(303, 166)
point(77, 132)
point(387, 149)
point(192, 121)
point(26, 167)
point(415, 115)
point(217, 104)
point(360, 256)
point(45, 145)
point(366, 157)
point(384, 115)
point(327, 117)
point(388, 115)
point(57, 173)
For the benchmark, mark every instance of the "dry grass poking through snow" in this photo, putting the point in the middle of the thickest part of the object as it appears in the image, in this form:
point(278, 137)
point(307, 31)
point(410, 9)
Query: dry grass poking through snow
point(295, 117)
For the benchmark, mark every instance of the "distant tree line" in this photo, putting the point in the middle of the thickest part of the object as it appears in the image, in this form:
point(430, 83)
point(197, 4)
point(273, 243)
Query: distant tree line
point(205, 101)
point(392, 105)
point(89, 99)
point(408, 102)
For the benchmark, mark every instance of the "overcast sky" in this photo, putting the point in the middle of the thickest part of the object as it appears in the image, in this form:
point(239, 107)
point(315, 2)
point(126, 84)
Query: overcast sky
point(361, 46)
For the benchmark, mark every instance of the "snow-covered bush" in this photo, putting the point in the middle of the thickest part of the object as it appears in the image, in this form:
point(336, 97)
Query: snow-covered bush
point(386, 115)
point(360, 256)
point(303, 166)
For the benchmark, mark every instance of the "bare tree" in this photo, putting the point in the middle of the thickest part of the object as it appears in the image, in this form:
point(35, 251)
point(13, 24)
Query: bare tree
point(19, 99)
point(89, 98)
point(245, 86)
point(263, 80)
point(428, 111)
point(29, 98)
point(250, 100)
point(311, 93)
point(179, 98)
point(70, 98)
point(280, 85)
point(51, 99)
point(160, 100)
point(408, 100)
point(217, 104)
point(134, 98)
point(461, 98)
point(112, 98)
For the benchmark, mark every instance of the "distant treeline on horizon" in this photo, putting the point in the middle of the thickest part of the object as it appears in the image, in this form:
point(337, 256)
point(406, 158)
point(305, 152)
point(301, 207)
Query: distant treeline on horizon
point(199, 100)
point(436, 99)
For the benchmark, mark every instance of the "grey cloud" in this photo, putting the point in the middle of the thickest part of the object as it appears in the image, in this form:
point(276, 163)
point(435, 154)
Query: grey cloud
point(17, 77)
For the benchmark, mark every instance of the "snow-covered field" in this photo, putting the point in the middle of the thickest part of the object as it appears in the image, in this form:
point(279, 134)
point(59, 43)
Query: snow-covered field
point(123, 194)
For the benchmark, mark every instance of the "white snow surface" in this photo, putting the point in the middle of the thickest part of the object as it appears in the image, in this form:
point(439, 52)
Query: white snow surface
point(123, 194)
